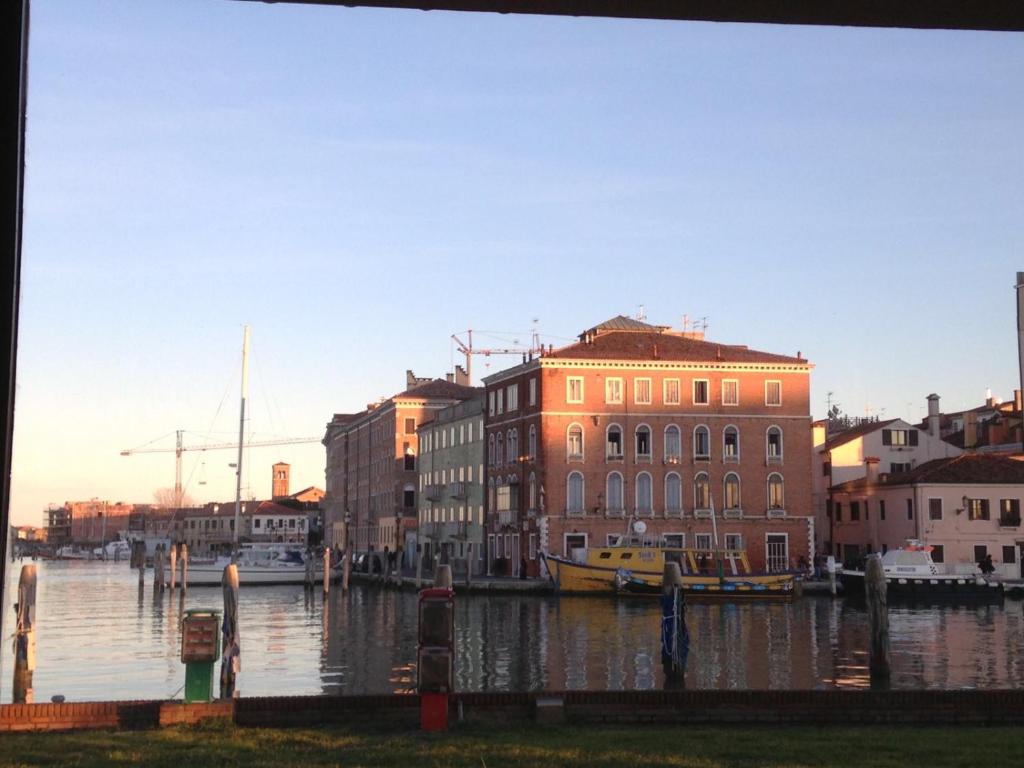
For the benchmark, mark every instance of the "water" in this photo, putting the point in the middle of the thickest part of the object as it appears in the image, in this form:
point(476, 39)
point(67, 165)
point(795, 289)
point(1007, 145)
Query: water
point(98, 640)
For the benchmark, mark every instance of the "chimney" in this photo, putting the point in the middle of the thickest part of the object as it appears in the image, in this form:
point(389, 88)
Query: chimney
point(970, 429)
point(450, 378)
point(871, 469)
point(933, 415)
point(461, 377)
point(1018, 405)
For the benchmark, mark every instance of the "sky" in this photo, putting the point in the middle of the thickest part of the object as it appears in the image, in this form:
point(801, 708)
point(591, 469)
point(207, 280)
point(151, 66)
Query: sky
point(359, 184)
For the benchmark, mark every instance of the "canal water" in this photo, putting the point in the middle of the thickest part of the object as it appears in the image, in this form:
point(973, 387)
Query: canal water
point(98, 638)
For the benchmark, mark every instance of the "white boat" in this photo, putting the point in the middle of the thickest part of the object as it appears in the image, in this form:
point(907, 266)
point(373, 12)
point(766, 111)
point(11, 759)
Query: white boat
point(259, 564)
point(114, 550)
point(911, 574)
point(71, 552)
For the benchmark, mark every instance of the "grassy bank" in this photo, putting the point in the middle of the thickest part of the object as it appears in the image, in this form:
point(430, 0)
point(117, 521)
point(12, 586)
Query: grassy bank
point(493, 747)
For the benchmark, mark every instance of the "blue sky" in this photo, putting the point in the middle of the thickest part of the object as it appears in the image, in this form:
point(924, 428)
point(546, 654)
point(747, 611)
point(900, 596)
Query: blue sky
point(359, 184)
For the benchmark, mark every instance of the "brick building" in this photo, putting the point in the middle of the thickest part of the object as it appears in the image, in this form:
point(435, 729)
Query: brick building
point(636, 421)
point(371, 471)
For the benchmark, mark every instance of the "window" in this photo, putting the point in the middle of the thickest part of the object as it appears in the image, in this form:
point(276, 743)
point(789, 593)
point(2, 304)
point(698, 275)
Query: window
point(490, 450)
point(532, 445)
point(255, 523)
point(675, 540)
point(777, 552)
point(613, 492)
point(613, 448)
point(899, 467)
point(774, 445)
point(977, 509)
point(673, 494)
point(574, 389)
point(731, 444)
point(574, 442)
point(899, 437)
point(532, 492)
point(513, 446)
point(702, 541)
point(734, 541)
point(498, 446)
point(512, 396)
point(773, 393)
point(776, 491)
point(410, 426)
point(881, 509)
point(642, 391)
point(673, 445)
point(731, 491)
point(980, 552)
point(490, 402)
point(670, 391)
point(1009, 512)
point(701, 443)
point(613, 390)
point(934, 509)
point(574, 492)
point(643, 442)
point(700, 391)
point(701, 491)
point(533, 391)
point(854, 511)
point(533, 546)
point(573, 542)
point(644, 494)
point(1009, 554)
point(504, 497)
point(910, 509)
point(730, 392)
point(501, 400)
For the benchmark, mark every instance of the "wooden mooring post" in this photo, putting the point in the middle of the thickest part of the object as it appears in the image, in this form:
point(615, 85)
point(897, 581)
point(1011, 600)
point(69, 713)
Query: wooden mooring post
point(831, 567)
point(231, 647)
point(172, 558)
point(346, 568)
point(158, 570)
point(419, 565)
point(469, 564)
point(184, 566)
point(674, 636)
point(25, 636)
point(327, 570)
point(878, 618)
point(309, 574)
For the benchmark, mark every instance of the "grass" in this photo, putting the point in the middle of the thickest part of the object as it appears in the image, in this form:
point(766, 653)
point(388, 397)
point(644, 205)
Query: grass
point(500, 746)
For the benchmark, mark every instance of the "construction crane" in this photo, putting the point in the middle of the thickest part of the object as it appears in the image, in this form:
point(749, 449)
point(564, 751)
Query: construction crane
point(467, 348)
point(180, 447)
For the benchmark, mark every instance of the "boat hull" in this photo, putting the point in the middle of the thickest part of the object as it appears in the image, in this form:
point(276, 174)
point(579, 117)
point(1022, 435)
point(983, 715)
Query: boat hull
point(574, 577)
point(924, 588)
point(253, 575)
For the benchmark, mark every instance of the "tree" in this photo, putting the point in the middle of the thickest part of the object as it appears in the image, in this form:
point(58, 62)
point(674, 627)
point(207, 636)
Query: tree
point(165, 497)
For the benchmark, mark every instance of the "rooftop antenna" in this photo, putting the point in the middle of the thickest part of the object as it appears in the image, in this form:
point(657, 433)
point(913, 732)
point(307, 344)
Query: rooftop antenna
point(641, 313)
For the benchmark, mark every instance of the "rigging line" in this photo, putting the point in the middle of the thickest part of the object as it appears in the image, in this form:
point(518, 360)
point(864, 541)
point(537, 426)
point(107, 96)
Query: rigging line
point(223, 398)
point(263, 385)
point(153, 441)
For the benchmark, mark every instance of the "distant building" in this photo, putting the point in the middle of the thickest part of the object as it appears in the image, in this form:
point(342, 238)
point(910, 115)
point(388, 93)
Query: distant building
point(966, 507)
point(451, 484)
point(210, 529)
point(280, 480)
point(371, 469)
point(96, 520)
point(58, 525)
point(640, 422)
point(993, 427)
point(894, 446)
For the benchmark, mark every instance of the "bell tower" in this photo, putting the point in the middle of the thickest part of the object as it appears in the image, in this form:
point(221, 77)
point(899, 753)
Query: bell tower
point(280, 480)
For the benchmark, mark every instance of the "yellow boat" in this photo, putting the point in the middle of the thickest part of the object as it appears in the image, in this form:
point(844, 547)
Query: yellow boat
point(630, 567)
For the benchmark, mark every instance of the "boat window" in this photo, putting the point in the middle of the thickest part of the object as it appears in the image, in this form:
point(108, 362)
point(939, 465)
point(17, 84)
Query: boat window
point(606, 555)
point(626, 556)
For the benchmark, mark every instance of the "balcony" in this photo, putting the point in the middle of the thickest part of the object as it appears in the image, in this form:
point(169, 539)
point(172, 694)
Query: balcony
point(675, 459)
point(702, 458)
point(775, 513)
point(434, 492)
point(644, 512)
point(730, 458)
point(507, 517)
point(773, 460)
point(457, 490)
point(703, 514)
point(576, 512)
point(609, 512)
point(1009, 521)
point(674, 514)
point(732, 514)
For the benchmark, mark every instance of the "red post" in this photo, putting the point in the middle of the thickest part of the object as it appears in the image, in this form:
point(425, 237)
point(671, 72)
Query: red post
point(436, 656)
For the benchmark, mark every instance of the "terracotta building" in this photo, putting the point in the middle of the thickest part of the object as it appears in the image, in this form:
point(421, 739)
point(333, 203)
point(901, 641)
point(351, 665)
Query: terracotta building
point(371, 471)
point(635, 421)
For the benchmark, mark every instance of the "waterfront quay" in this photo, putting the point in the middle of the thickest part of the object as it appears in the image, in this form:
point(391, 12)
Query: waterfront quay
point(98, 639)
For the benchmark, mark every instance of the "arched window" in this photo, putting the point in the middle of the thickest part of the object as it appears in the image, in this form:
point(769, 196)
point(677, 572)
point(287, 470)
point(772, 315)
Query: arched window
point(532, 492)
point(673, 494)
point(731, 444)
point(644, 500)
point(701, 443)
point(613, 449)
point(490, 495)
point(512, 441)
point(613, 493)
point(574, 442)
point(490, 450)
point(673, 445)
point(773, 445)
point(776, 491)
point(701, 491)
point(731, 491)
point(643, 442)
point(498, 446)
point(574, 493)
point(532, 447)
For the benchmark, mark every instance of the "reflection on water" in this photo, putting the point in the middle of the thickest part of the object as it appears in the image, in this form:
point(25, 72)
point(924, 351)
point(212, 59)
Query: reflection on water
point(100, 638)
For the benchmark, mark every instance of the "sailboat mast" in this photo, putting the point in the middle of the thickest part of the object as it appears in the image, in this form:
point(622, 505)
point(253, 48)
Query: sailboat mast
point(241, 436)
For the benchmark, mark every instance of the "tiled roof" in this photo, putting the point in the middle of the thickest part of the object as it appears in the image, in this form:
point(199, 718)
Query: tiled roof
point(227, 509)
point(841, 438)
point(442, 389)
point(655, 344)
point(623, 323)
point(966, 469)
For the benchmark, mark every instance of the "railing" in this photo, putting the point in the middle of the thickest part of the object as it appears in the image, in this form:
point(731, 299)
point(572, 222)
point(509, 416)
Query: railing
point(609, 512)
point(674, 513)
point(507, 517)
point(702, 513)
point(776, 512)
point(732, 514)
point(771, 460)
point(672, 460)
point(576, 512)
point(644, 512)
point(434, 492)
point(457, 490)
point(730, 458)
point(1009, 521)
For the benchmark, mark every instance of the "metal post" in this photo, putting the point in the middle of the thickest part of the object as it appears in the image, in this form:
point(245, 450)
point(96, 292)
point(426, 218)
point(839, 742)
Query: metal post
point(241, 441)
